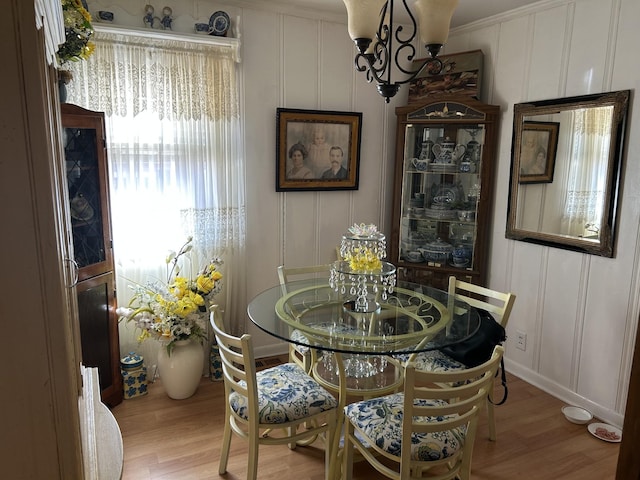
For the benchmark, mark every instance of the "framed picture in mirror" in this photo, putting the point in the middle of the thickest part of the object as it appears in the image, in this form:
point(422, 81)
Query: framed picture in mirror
point(538, 152)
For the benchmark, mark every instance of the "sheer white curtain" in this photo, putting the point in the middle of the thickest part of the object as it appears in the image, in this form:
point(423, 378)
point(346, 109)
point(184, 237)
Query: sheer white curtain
point(175, 157)
point(582, 212)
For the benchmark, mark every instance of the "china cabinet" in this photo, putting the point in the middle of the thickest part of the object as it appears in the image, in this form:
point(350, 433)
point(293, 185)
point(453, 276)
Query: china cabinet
point(442, 208)
point(87, 187)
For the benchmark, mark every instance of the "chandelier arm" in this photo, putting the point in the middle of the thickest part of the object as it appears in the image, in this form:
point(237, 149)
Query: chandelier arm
point(376, 60)
point(414, 25)
point(407, 51)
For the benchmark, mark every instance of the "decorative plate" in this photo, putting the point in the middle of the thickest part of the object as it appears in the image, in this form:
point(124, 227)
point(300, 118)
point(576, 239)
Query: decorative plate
point(219, 23)
point(605, 432)
point(446, 195)
point(80, 209)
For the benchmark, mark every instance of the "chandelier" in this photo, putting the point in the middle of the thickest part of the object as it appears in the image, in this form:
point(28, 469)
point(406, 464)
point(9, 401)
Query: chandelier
point(384, 47)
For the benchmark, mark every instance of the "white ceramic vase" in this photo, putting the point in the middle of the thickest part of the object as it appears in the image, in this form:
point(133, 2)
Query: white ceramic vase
point(181, 371)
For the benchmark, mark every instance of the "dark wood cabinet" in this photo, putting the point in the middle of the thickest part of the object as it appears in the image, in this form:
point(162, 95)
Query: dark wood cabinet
point(443, 197)
point(88, 189)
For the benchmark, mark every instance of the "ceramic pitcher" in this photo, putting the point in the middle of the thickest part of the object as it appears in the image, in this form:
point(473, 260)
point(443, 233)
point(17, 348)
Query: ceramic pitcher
point(447, 151)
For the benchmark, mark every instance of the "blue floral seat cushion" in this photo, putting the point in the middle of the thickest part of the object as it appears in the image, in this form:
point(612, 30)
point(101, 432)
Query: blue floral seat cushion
point(380, 419)
point(285, 393)
point(433, 361)
point(298, 337)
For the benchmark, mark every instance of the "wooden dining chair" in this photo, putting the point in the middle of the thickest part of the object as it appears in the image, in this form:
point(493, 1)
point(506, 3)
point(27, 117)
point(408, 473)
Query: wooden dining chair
point(279, 405)
point(300, 354)
point(498, 304)
point(428, 429)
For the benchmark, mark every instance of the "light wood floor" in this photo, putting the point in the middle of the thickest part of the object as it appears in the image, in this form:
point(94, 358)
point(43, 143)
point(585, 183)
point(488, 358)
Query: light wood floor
point(180, 439)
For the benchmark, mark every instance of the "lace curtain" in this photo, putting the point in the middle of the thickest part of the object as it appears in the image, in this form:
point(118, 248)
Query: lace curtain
point(582, 212)
point(175, 157)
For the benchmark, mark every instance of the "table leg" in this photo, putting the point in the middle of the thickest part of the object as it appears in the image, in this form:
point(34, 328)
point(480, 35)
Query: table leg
point(334, 469)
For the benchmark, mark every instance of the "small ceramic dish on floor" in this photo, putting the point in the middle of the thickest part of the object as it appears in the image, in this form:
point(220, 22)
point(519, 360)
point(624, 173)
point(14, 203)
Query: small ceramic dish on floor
point(605, 432)
point(577, 415)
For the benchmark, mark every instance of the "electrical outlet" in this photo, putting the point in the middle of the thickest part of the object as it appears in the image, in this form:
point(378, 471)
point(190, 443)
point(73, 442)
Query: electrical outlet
point(521, 340)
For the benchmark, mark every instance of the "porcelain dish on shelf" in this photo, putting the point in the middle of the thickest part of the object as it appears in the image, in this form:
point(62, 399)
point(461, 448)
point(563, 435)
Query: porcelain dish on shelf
point(459, 263)
point(440, 214)
point(414, 256)
point(219, 24)
point(605, 432)
point(577, 415)
point(437, 251)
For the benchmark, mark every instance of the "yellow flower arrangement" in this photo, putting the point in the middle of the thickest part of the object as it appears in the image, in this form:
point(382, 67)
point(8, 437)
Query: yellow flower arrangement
point(174, 311)
point(364, 260)
point(78, 32)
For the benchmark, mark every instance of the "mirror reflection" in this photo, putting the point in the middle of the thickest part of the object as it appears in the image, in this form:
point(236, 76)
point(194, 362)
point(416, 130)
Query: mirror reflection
point(565, 171)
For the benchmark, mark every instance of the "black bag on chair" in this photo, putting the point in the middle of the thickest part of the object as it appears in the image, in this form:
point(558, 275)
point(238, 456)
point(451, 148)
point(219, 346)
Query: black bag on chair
point(479, 348)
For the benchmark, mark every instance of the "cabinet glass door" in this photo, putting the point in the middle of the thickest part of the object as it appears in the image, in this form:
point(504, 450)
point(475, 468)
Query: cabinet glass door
point(84, 181)
point(440, 193)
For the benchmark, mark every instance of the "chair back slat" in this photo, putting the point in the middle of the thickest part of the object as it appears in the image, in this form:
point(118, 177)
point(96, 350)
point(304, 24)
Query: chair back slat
point(238, 361)
point(288, 274)
point(455, 400)
point(499, 304)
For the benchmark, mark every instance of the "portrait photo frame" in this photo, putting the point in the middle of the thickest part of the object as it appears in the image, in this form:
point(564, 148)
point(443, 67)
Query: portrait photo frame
point(317, 150)
point(537, 152)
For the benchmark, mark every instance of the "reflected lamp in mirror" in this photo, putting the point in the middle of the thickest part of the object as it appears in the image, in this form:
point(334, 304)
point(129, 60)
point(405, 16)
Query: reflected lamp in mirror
point(566, 167)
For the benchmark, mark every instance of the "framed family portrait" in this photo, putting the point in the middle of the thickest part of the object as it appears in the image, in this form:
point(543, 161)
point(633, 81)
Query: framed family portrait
point(537, 156)
point(317, 150)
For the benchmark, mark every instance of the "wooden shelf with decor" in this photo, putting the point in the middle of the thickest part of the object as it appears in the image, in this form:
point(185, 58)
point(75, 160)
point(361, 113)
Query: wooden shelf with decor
point(88, 189)
point(443, 189)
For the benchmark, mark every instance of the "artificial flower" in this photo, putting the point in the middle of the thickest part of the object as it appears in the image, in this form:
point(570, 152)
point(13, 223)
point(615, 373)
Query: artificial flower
point(78, 32)
point(177, 309)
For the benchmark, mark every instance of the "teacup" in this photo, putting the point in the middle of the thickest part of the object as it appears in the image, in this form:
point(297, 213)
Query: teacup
point(420, 165)
point(466, 215)
point(467, 167)
point(414, 256)
point(459, 261)
point(201, 28)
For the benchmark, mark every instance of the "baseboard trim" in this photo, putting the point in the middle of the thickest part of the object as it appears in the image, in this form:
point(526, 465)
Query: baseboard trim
point(563, 393)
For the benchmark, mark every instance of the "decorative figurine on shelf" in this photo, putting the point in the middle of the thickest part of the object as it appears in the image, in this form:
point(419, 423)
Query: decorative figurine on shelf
point(148, 16)
point(166, 18)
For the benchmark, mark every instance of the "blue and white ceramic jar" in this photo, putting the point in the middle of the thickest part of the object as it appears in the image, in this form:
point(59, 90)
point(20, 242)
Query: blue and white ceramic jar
point(134, 376)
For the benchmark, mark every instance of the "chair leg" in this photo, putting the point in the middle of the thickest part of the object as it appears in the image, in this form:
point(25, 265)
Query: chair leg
point(226, 444)
point(252, 469)
point(347, 452)
point(491, 419)
point(492, 422)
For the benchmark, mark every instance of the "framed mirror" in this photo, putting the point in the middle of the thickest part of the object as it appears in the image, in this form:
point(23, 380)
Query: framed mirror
point(566, 164)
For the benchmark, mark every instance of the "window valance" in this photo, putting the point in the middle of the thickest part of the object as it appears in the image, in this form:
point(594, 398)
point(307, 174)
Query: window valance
point(168, 74)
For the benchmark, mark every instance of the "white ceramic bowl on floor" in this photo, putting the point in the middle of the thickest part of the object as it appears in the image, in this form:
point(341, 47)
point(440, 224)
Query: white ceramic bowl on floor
point(577, 414)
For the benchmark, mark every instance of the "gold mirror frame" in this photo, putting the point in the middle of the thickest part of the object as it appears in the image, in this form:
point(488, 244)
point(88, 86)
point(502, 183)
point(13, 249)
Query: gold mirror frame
point(542, 207)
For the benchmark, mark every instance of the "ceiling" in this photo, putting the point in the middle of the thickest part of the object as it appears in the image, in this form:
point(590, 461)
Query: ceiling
point(467, 11)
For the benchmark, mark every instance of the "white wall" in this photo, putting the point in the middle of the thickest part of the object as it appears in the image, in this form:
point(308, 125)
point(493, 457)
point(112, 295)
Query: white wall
point(579, 312)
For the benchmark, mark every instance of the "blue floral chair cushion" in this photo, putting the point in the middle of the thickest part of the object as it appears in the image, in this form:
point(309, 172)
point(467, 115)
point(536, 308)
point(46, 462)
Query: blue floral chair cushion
point(380, 419)
point(285, 393)
point(433, 361)
point(298, 336)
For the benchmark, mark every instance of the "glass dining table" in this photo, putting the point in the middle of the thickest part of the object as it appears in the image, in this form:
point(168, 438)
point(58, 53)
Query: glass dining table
point(361, 351)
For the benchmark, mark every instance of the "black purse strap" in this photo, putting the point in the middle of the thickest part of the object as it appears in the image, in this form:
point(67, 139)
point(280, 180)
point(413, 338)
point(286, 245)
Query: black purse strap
point(504, 383)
